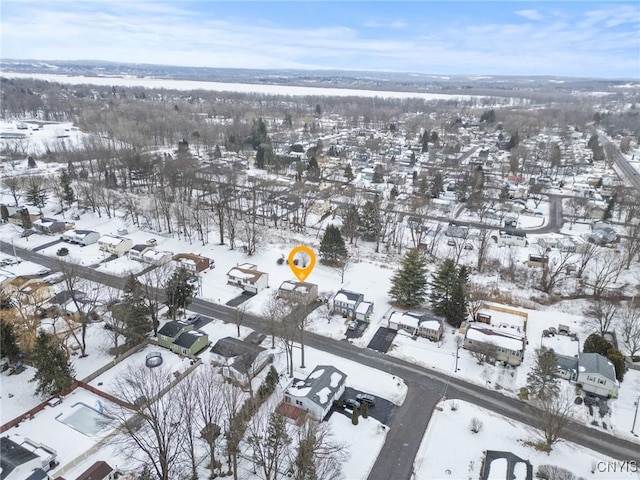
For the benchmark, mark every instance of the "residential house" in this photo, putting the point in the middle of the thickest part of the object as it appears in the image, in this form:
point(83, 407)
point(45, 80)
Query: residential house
point(191, 262)
point(135, 253)
point(364, 310)
point(594, 372)
point(29, 290)
point(98, 471)
point(417, 324)
point(241, 359)
point(189, 343)
point(81, 237)
point(505, 467)
point(248, 278)
point(118, 246)
point(300, 292)
point(346, 302)
point(156, 257)
point(24, 459)
point(17, 218)
point(49, 226)
point(170, 331)
point(316, 394)
point(509, 347)
point(512, 238)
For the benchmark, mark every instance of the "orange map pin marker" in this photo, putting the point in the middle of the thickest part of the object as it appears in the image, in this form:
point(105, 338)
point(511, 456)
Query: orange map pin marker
point(306, 261)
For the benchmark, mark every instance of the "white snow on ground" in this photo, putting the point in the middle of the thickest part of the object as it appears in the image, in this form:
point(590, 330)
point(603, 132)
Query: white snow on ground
point(231, 87)
point(37, 138)
point(450, 450)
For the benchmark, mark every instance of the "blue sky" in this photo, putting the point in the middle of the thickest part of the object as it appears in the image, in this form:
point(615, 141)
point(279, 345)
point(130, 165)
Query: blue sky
point(589, 38)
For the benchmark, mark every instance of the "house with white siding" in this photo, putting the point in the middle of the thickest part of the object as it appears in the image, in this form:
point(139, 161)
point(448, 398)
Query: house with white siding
point(118, 246)
point(417, 324)
point(594, 372)
point(81, 237)
point(316, 394)
point(247, 277)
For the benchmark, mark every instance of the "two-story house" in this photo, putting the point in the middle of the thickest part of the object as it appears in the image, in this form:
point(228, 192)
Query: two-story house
point(316, 394)
point(345, 302)
point(118, 246)
point(247, 277)
point(170, 331)
point(191, 262)
point(417, 324)
point(299, 292)
point(49, 226)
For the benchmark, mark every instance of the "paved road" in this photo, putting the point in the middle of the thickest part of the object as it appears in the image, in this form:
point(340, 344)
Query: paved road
point(425, 388)
point(630, 174)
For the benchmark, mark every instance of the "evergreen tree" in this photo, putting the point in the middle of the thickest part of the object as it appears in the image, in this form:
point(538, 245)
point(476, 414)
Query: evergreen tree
point(393, 194)
point(348, 173)
point(448, 293)
point(616, 357)
point(425, 142)
point(54, 372)
point(217, 154)
point(4, 213)
point(26, 219)
point(68, 195)
point(412, 159)
point(437, 184)
point(513, 142)
point(8, 341)
point(332, 247)
point(409, 284)
point(179, 291)
point(36, 194)
point(378, 174)
point(596, 343)
point(31, 162)
point(541, 379)
point(133, 312)
point(370, 220)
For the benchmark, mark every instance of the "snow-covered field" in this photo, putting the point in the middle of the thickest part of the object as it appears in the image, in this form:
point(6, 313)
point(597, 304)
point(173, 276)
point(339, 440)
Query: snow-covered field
point(450, 450)
point(37, 138)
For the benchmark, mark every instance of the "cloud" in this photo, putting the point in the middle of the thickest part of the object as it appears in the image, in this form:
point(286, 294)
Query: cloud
point(530, 14)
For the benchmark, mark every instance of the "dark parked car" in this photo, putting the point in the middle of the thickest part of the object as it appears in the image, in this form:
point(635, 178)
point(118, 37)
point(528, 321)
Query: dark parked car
point(365, 397)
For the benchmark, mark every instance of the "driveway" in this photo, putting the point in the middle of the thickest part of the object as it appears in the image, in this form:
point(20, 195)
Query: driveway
point(240, 299)
point(382, 339)
point(358, 331)
point(47, 245)
point(381, 411)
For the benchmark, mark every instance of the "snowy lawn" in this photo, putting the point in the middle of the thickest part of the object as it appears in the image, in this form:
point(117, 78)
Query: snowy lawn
point(450, 450)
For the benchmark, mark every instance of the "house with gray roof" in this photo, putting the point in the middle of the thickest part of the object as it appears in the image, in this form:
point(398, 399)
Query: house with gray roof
point(25, 460)
point(346, 302)
point(241, 359)
point(317, 392)
point(594, 372)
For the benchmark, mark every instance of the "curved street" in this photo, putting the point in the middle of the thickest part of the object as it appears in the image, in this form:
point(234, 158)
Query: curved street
point(425, 388)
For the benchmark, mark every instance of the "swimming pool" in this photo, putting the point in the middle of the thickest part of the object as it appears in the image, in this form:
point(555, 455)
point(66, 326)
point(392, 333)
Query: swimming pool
point(85, 419)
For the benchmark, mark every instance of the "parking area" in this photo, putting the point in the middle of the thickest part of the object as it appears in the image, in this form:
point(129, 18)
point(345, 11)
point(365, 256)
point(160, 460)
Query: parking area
point(240, 299)
point(358, 331)
point(381, 411)
point(382, 339)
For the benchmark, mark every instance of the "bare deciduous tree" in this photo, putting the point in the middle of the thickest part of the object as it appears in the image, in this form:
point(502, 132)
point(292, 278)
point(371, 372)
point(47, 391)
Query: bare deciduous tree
point(318, 454)
point(600, 315)
point(149, 424)
point(554, 414)
point(274, 312)
point(486, 352)
point(270, 443)
point(630, 328)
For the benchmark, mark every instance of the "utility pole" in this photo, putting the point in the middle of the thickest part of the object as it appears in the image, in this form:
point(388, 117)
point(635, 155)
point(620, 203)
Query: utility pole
point(635, 416)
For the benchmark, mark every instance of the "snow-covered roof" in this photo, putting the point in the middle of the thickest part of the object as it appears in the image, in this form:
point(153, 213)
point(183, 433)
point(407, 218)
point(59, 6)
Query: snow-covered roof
point(488, 335)
point(596, 363)
point(241, 273)
point(112, 241)
point(363, 307)
point(416, 320)
point(321, 386)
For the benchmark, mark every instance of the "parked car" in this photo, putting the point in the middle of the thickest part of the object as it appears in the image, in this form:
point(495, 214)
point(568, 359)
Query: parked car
point(451, 242)
point(122, 231)
point(353, 324)
point(152, 242)
point(192, 319)
point(365, 397)
point(351, 403)
point(468, 246)
point(27, 233)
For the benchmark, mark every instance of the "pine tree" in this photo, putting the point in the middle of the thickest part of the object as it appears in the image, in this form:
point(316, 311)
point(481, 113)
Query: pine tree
point(541, 379)
point(8, 341)
point(348, 173)
point(179, 291)
point(68, 195)
point(4, 213)
point(133, 312)
point(448, 293)
point(36, 194)
point(332, 247)
point(437, 183)
point(378, 174)
point(54, 372)
point(409, 284)
point(370, 220)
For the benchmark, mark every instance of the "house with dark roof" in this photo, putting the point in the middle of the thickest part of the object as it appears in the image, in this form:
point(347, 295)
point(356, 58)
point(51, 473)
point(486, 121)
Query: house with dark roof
point(594, 372)
point(170, 331)
point(98, 471)
point(25, 460)
point(241, 359)
point(345, 302)
point(316, 394)
point(135, 253)
point(190, 343)
point(495, 464)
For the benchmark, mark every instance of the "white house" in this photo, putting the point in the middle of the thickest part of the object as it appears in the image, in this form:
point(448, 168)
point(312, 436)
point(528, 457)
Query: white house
point(156, 257)
point(346, 302)
point(115, 245)
point(248, 278)
point(512, 238)
point(81, 237)
point(364, 311)
point(317, 392)
point(509, 347)
point(594, 372)
point(135, 253)
point(417, 324)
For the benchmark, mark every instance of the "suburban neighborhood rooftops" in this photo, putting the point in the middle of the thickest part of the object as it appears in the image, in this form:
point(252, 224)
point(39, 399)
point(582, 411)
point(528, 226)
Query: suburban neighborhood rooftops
point(141, 247)
point(111, 240)
point(319, 386)
point(244, 352)
point(241, 273)
point(187, 339)
point(171, 329)
point(348, 296)
point(291, 285)
point(97, 471)
point(415, 319)
point(566, 363)
point(363, 307)
point(500, 339)
point(12, 455)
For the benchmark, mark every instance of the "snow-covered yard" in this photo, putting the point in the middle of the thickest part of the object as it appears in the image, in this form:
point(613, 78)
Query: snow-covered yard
point(450, 450)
